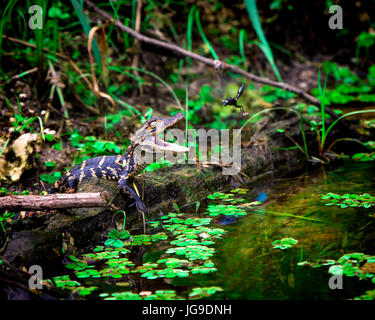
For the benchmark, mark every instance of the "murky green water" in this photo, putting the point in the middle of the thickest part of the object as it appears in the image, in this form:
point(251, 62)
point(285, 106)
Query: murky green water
point(248, 266)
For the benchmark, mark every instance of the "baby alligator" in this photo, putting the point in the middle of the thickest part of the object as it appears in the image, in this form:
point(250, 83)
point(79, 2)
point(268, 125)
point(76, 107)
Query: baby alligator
point(122, 167)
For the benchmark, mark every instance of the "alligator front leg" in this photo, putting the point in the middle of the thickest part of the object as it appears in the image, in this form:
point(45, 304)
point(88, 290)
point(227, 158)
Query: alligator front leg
point(128, 190)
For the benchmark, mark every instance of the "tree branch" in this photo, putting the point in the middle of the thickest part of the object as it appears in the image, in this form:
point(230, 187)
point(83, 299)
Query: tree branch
point(55, 201)
point(217, 64)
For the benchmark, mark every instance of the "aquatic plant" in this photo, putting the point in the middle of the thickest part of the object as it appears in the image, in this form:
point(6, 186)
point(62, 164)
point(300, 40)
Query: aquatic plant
point(368, 295)
point(196, 293)
point(199, 293)
point(228, 210)
point(284, 243)
point(355, 264)
point(188, 254)
point(115, 238)
point(349, 200)
point(364, 157)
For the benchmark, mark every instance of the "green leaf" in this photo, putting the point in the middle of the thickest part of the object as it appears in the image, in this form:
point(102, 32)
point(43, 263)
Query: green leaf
point(118, 243)
point(50, 164)
point(54, 12)
point(109, 242)
point(124, 234)
point(113, 234)
point(336, 270)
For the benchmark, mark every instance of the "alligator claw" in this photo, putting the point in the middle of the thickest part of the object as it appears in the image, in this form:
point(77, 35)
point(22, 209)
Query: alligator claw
point(141, 207)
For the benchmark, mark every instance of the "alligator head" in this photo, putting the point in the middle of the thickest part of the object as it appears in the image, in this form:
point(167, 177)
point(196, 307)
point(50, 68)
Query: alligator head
point(147, 137)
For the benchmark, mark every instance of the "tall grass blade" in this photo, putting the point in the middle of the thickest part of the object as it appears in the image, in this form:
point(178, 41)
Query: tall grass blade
point(322, 94)
point(186, 115)
point(86, 27)
point(241, 43)
point(342, 117)
point(189, 33)
point(201, 31)
point(4, 146)
point(263, 45)
point(304, 136)
point(4, 19)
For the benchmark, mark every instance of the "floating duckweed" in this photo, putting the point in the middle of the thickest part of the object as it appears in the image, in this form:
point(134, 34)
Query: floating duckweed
point(162, 295)
point(220, 195)
point(90, 273)
point(175, 227)
point(166, 273)
point(173, 262)
point(175, 220)
point(63, 282)
point(364, 157)
point(154, 224)
point(146, 239)
point(199, 293)
point(85, 291)
point(182, 242)
point(352, 264)
point(117, 262)
point(199, 232)
point(235, 200)
point(227, 197)
point(202, 270)
point(196, 222)
point(127, 295)
point(229, 210)
point(145, 267)
point(240, 190)
point(284, 243)
point(317, 265)
point(171, 215)
point(196, 293)
point(190, 240)
point(194, 252)
point(77, 266)
point(369, 295)
point(158, 295)
point(212, 232)
point(349, 200)
point(158, 237)
point(116, 243)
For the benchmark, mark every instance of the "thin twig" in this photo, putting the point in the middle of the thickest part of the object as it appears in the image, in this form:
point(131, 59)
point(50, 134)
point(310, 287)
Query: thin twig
point(20, 75)
point(96, 89)
point(217, 64)
point(137, 27)
point(60, 55)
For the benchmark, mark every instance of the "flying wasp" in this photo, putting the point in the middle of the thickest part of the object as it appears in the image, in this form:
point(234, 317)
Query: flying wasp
point(233, 101)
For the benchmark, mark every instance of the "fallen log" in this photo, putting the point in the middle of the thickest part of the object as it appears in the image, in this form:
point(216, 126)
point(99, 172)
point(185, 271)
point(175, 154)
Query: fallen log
point(55, 201)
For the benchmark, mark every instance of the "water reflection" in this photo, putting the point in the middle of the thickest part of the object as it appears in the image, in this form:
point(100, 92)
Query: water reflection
point(248, 266)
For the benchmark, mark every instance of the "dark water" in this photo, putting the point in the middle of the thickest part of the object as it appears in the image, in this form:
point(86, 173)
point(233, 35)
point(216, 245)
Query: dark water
point(249, 267)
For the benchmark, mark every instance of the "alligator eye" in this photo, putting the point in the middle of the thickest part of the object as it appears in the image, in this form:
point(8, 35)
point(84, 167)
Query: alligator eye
point(153, 124)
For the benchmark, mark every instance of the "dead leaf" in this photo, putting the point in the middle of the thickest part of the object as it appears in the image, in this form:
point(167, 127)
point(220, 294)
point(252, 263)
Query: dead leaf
point(15, 158)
